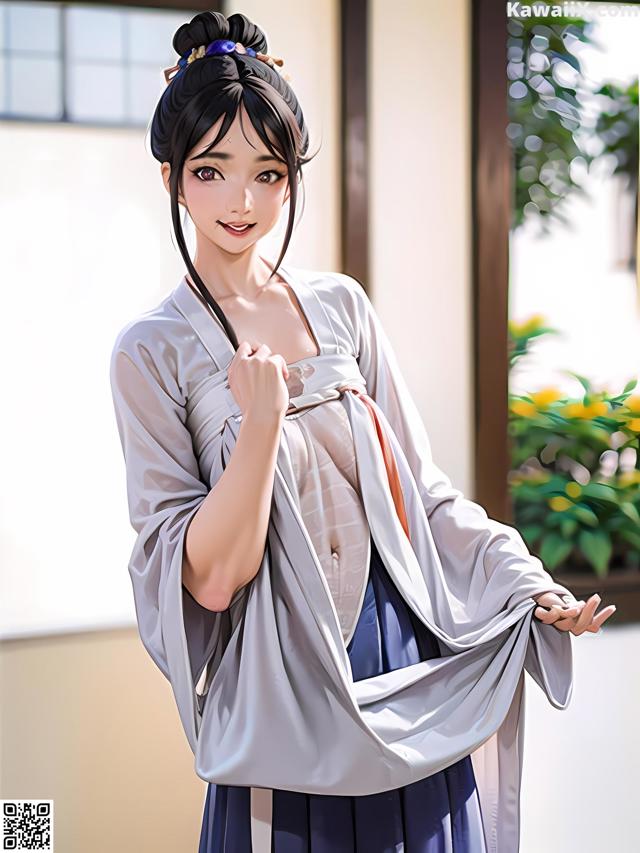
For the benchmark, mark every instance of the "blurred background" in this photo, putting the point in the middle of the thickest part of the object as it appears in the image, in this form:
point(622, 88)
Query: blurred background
point(478, 174)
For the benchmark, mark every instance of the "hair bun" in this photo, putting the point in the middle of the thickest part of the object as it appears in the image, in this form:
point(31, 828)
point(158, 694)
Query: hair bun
point(206, 27)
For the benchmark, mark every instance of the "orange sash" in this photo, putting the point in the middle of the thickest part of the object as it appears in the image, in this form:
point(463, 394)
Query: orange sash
point(389, 459)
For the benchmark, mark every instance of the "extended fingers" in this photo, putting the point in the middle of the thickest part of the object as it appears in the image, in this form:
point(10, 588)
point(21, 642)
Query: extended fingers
point(556, 613)
point(579, 618)
point(601, 617)
point(586, 617)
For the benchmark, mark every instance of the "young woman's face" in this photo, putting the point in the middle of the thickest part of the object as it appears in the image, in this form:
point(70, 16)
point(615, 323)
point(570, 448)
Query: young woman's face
point(239, 182)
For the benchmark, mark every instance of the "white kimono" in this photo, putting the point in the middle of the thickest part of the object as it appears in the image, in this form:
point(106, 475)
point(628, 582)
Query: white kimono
point(277, 706)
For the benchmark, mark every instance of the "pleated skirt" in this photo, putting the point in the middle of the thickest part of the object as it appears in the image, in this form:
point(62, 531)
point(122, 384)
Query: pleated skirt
point(438, 814)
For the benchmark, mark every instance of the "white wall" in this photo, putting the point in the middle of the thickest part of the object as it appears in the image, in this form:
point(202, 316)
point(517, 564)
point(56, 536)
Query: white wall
point(420, 184)
point(88, 246)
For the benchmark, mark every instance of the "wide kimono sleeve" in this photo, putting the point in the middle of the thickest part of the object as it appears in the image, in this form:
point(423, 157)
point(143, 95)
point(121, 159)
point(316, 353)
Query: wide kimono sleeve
point(462, 530)
point(164, 491)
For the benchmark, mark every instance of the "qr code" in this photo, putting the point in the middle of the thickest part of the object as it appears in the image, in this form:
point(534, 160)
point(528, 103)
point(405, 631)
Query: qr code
point(27, 825)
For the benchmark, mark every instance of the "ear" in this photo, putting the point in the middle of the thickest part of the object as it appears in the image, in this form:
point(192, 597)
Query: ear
point(165, 171)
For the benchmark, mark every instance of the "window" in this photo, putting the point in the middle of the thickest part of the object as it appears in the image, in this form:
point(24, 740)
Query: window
point(67, 62)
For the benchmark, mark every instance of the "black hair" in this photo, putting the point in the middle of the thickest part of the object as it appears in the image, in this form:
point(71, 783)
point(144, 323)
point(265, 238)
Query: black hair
point(214, 86)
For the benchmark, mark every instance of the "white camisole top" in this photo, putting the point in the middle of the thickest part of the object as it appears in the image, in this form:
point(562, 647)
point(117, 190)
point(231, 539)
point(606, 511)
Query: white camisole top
point(322, 452)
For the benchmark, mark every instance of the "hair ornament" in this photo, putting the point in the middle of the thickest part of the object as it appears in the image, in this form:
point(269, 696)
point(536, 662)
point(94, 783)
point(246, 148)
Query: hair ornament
point(217, 48)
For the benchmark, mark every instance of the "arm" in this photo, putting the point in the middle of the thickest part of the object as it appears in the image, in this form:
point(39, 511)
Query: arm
point(165, 493)
point(227, 537)
point(225, 529)
point(462, 531)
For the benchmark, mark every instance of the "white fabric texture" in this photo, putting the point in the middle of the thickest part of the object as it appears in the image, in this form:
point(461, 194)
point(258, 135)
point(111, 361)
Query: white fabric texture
point(277, 706)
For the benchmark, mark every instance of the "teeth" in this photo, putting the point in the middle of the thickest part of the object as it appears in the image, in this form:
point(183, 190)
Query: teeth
point(234, 228)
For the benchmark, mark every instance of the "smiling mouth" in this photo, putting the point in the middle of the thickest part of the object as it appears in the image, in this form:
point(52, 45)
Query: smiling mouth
point(235, 229)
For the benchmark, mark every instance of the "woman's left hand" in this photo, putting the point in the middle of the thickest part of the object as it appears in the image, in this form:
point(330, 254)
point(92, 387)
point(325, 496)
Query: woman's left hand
point(577, 617)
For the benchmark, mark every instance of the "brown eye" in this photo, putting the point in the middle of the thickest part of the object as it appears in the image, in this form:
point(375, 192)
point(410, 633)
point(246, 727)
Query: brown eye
point(209, 169)
point(278, 176)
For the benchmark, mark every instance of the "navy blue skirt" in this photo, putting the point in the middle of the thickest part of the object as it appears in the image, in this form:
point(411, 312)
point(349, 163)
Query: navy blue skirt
point(433, 815)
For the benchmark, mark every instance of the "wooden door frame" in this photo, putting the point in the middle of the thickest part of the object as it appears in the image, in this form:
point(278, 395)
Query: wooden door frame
point(491, 211)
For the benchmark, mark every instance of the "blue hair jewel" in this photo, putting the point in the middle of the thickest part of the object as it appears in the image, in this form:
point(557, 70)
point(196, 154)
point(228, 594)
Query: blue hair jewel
point(217, 48)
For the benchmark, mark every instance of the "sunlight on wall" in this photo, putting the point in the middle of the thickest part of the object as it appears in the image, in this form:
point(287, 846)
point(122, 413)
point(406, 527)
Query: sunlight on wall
point(89, 247)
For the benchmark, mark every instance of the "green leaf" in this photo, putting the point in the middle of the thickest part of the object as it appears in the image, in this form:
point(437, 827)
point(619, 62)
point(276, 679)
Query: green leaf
point(554, 549)
point(600, 492)
point(568, 526)
point(585, 515)
point(531, 533)
point(596, 547)
point(586, 384)
point(631, 511)
point(631, 536)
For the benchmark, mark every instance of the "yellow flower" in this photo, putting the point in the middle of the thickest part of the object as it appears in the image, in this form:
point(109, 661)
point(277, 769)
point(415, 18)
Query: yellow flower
point(579, 410)
point(573, 489)
point(559, 503)
point(628, 478)
point(633, 403)
point(545, 396)
point(597, 409)
point(633, 424)
point(523, 408)
point(574, 410)
point(534, 322)
point(531, 325)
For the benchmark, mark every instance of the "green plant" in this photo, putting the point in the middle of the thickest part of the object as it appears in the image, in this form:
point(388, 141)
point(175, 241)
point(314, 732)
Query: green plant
point(575, 479)
point(544, 114)
point(617, 127)
point(522, 334)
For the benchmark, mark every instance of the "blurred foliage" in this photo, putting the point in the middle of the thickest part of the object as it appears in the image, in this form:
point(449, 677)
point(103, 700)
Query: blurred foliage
point(544, 114)
point(575, 481)
point(617, 127)
point(522, 334)
point(546, 118)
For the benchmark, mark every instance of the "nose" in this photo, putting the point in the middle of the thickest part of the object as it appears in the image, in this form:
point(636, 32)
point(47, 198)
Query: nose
point(242, 203)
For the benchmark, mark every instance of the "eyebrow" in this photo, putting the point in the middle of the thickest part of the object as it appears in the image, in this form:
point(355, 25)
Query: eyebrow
point(221, 155)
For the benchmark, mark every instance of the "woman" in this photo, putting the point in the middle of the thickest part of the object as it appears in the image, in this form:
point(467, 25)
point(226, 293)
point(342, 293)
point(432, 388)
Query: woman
point(346, 635)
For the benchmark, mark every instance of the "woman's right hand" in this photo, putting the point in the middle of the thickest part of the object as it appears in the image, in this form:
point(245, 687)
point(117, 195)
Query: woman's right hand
point(257, 379)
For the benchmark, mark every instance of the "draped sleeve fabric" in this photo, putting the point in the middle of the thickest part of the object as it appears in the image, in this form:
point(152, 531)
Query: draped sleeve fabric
point(478, 570)
point(282, 709)
point(463, 533)
point(164, 492)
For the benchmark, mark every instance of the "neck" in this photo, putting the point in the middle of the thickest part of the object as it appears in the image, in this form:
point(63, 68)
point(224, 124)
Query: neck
point(228, 275)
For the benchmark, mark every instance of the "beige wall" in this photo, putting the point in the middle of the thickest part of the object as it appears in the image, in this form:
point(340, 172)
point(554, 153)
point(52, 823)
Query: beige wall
point(420, 184)
point(88, 721)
